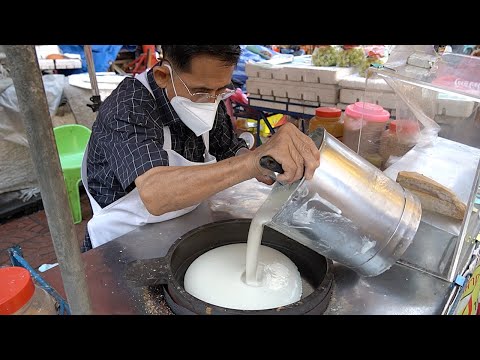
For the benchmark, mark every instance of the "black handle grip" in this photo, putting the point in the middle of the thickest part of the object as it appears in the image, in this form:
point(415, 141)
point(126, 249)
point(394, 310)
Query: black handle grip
point(270, 163)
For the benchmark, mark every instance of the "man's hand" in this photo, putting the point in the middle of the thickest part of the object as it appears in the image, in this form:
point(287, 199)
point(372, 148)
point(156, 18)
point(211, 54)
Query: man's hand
point(292, 149)
point(266, 179)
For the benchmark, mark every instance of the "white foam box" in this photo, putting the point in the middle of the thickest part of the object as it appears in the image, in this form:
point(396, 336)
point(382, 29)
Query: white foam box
point(265, 74)
point(259, 87)
point(425, 61)
point(296, 108)
point(295, 101)
point(355, 81)
point(449, 121)
point(46, 64)
point(450, 105)
point(384, 99)
point(298, 72)
point(316, 74)
point(308, 106)
point(266, 97)
point(255, 71)
point(50, 64)
point(303, 106)
point(68, 63)
point(311, 111)
point(294, 90)
point(268, 104)
point(416, 71)
point(455, 106)
point(44, 50)
point(460, 129)
point(293, 105)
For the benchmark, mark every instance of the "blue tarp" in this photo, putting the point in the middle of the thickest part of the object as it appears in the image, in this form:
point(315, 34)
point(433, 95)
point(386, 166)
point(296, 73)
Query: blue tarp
point(102, 56)
point(239, 74)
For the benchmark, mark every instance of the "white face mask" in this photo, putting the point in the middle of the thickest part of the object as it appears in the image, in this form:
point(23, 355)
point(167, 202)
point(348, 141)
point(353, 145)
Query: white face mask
point(198, 117)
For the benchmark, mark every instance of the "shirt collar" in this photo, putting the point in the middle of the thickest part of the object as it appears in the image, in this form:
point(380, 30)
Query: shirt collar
point(170, 116)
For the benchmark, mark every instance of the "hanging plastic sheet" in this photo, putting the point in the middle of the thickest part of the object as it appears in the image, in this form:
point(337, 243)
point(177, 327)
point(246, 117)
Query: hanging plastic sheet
point(11, 124)
point(16, 167)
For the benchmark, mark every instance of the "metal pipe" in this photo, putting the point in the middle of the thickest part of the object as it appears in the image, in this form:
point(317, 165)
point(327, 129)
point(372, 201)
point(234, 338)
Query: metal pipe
point(33, 105)
point(97, 101)
point(91, 69)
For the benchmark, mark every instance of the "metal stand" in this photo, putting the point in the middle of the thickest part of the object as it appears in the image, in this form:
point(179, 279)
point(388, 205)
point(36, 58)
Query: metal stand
point(247, 111)
point(93, 79)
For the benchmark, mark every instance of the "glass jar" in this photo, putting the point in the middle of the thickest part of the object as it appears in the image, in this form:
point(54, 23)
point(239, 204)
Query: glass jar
point(330, 118)
point(19, 295)
point(364, 124)
point(398, 139)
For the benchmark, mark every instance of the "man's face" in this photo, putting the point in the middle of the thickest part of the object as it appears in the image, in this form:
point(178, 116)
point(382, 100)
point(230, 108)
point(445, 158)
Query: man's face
point(208, 75)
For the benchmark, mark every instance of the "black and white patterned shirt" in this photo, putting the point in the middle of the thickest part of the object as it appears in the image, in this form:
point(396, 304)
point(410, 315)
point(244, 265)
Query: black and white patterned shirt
point(127, 138)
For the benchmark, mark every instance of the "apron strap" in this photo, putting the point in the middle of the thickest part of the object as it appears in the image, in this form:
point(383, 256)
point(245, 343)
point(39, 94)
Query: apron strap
point(95, 207)
point(206, 141)
point(167, 138)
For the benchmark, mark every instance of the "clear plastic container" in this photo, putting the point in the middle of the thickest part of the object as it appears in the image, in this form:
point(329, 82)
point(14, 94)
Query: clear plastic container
point(364, 124)
point(329, 118)
point(400, 137)
point(19, 295)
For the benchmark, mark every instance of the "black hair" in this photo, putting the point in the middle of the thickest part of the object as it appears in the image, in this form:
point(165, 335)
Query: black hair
point(180, 56)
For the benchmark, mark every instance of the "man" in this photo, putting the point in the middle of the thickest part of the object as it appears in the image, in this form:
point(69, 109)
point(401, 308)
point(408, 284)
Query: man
point(152, 133)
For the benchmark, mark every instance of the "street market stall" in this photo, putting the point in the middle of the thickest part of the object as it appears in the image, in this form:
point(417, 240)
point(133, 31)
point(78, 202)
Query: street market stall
point(428, 279)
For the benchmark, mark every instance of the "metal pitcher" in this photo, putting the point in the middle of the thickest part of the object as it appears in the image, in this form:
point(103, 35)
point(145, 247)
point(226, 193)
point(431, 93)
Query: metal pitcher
point(349, 211)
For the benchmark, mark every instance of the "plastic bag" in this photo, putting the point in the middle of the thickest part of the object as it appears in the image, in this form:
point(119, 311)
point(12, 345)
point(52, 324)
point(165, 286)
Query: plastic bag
point(420, 104)
point(351, 55)
point(326, 55)
point(374, 54)
point(458, 72)
point(11, 123)
point(399, 54)
point(448, 94)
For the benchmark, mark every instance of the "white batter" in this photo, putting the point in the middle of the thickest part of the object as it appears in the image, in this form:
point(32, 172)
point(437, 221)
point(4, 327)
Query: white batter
point(277, 198)
point(218, 277)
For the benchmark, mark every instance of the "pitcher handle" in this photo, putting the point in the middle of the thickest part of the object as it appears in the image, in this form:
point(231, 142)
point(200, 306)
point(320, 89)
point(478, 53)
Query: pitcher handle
point(270, 163)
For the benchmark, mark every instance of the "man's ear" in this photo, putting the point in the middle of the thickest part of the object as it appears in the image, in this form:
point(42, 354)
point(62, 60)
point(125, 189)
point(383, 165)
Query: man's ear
point(161, 75)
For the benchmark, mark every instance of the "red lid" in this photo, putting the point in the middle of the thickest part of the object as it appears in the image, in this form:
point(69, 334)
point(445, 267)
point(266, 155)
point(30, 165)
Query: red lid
point(328, 112)
point(16, 288)
point(367, 111)
point(407, 127)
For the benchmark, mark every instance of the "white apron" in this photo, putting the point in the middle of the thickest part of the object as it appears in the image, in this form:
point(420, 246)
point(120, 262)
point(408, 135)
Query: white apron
point(129, 212)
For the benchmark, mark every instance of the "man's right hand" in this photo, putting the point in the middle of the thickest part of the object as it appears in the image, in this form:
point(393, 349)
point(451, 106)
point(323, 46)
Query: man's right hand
point(292, 149)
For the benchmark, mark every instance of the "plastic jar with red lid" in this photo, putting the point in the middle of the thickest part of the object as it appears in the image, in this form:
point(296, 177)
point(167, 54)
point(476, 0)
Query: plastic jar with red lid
point(363, 128)
point(19, 295)
point(401, 136)
point(329, 118)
